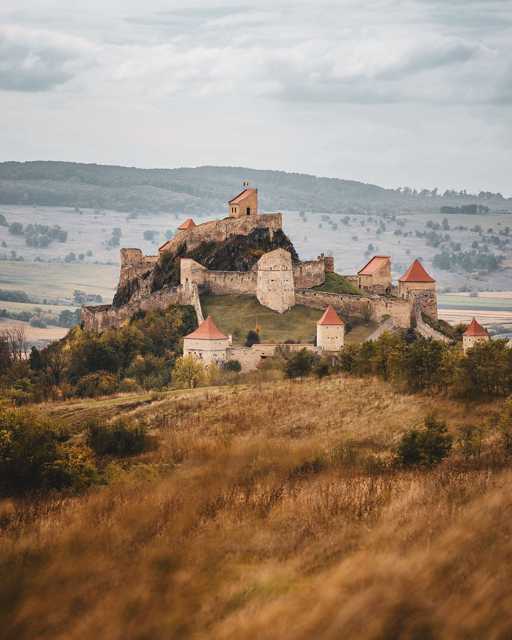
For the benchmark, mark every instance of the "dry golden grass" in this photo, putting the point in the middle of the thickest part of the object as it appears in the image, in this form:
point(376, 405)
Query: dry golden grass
point(274, 514)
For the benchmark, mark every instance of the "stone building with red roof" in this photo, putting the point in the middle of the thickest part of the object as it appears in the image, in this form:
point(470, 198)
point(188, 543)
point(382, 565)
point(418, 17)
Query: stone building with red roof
point(375, 276)
point(244, 204)
point(474, 334)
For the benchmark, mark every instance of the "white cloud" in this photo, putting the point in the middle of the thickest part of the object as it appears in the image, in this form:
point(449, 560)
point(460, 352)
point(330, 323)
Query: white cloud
point(37, 60)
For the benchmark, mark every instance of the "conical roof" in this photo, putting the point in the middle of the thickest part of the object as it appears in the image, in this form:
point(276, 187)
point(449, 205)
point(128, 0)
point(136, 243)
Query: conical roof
point(207, 330)
point(330, 317)
point(475, 329)
point(188, 224)
point(416, 273)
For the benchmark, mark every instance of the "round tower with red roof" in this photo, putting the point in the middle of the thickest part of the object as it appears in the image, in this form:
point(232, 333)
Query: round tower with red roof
point(474, 334)
point(330, 331)
point(207, 343)
point(417, 285)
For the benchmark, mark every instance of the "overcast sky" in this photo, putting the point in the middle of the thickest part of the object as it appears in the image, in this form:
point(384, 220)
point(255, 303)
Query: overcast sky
point(394, 92)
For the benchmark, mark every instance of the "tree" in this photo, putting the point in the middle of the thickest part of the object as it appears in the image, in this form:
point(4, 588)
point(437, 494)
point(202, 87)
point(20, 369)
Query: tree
point(253, 337)
point(299, 364)
point(427, 446)
point(188, 372)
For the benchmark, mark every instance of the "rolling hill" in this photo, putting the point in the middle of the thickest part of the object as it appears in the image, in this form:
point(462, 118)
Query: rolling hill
point(202, 189)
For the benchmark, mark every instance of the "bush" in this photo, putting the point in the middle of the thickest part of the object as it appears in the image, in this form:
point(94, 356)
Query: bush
point(118, 439)
point(427, 446)
point(97, 384)
point(299, 364)
point(188, 372)
point(35, 455)
point(232, 365)
point(252, 337)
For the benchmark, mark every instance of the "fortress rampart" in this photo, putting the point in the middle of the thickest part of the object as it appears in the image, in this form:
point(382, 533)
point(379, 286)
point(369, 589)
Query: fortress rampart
point(374, 308)
point(103, 317)
point(221, 230)
point(135, 264)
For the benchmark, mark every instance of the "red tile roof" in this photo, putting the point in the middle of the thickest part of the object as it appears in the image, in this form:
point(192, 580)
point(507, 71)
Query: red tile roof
point(188, 224)
point(330, 317)
point(242, 196)
point(371, 267)
point(475, 329)
point(416, 273)
point(207, 330)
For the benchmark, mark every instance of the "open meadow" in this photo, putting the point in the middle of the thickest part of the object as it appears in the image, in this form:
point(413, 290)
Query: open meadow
point(267, 510)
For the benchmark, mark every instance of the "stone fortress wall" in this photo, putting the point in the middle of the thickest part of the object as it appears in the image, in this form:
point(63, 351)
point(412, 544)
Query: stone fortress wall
point(135, 264)
point(221, 230)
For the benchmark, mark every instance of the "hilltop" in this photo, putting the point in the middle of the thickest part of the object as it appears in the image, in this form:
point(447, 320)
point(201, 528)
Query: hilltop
point(201, 190)
point(267, 511)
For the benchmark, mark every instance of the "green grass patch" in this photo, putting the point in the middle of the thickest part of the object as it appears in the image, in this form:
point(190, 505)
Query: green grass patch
point(237, 314)
point(334, 283)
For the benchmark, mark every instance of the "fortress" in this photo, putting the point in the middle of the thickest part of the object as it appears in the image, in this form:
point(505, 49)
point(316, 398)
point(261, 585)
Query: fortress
point(247, 253)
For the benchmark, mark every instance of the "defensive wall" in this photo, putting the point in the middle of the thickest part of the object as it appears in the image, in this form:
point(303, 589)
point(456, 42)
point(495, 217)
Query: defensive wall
point(99, 318)
point(221, 230)
point(374, 308)
point(135, 264)
point(251, 357)
point(270, 279)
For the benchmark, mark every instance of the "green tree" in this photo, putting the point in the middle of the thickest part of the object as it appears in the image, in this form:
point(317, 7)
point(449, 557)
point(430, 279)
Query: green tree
point(426, 446)
point(299, 364)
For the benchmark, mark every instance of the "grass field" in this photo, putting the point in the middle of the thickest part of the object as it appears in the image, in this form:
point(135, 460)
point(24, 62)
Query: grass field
point(267, 511)
point(236, 315)
point(56, 280)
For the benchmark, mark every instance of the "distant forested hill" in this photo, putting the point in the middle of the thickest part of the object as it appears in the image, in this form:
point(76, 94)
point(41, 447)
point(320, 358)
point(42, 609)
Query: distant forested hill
point(206, 190)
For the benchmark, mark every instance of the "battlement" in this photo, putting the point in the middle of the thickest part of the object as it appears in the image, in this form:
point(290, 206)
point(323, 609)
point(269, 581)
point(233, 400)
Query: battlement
point(134, 264)
point(221, 230)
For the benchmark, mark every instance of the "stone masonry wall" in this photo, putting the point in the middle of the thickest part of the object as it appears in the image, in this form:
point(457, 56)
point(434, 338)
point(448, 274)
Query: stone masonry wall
point(107, 317)
point(134, 264)
point(220, 230)
point(374, 308)
point(309, 274)
point(217, 282)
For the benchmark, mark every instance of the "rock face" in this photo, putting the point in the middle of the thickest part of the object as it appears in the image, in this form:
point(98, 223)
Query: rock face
point(275, 286)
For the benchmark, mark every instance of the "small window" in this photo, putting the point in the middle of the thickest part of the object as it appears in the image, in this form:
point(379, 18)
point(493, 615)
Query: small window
point(248, 211)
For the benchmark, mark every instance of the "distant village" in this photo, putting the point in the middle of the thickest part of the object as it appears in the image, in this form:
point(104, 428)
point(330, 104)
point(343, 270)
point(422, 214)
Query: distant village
point(279, 281)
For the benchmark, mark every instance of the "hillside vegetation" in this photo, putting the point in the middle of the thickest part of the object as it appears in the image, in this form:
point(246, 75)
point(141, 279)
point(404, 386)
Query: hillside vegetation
point(203, 189)
point(269, 511)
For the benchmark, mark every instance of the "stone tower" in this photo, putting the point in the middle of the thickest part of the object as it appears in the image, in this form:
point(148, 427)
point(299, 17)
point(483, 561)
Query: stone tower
point(330, 331)
point(275, 287)
point(474, 334)
point(419, 287)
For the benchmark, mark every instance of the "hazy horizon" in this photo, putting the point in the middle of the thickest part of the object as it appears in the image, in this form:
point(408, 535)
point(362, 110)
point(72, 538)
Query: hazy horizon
point(394, 93)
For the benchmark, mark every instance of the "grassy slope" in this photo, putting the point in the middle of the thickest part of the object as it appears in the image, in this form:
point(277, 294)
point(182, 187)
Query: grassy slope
point(334, 283)
point(236, 315)
point(268, 522)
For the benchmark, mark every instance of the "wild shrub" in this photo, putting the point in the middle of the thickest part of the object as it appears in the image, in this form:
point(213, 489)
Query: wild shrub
point(188, 372)
point(35, 454)
point(427, 446)
point(232, 365)
point(505, 427)
point(96, 384)
point(299, 364)
point(252, 337)
point(118, 439)
point(469, 441)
